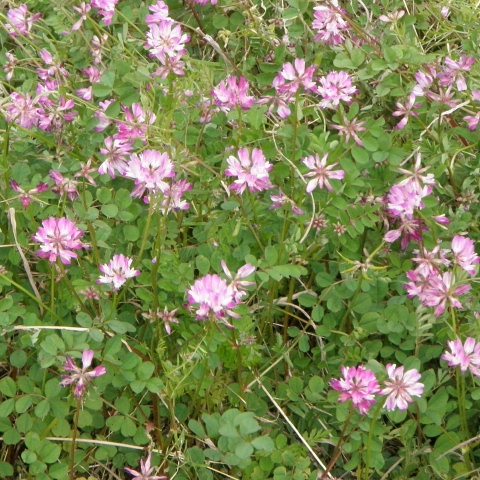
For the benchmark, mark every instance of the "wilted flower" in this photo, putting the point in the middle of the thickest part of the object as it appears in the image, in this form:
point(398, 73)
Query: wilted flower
point(64, 186)
point(320, 172)
point(359, 384)
point(26, 197)
point(59, 237)
point(81, 377)
point(251, 171)
point(117, 271)
point(401, 387)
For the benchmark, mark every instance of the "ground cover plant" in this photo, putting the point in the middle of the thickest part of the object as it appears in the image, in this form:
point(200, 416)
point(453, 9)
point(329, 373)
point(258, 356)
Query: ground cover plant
point(238, 240)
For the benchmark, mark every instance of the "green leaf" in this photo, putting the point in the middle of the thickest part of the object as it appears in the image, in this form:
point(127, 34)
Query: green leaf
point(263, 443)
point(50, 452)
point(23, 403)
point(6, 470)
point(8, 387)
point(197, 428)
point(110, 210)
point(11, 436)
point(243, 450)
point(145, 370)
point(360, 155)
point(203, 264)
point(228, 430)
point(131, 233)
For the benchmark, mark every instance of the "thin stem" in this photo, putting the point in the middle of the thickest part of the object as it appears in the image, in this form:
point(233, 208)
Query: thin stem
point(71, 473)
point(370, 436)
point(337, 451)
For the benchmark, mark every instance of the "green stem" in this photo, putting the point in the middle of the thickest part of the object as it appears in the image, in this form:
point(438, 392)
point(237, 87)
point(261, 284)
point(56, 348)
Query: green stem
point(71, 473)
point(33, 297)
point(239, 368)
point(337, 451)
point(370, 436)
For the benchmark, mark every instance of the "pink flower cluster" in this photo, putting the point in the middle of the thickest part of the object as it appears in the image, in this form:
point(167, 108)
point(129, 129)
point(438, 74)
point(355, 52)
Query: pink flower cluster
point(435, 288)
point(117, 271)
point(232, 93)
point(329, 23)
point(216, 297)
point(360, 385)
point(106, 8)
point(59, 237)
point(251, 170)
point(165, 40)
point(18, 22)
point(404, 199)
point(439, 84)
point(464, 355)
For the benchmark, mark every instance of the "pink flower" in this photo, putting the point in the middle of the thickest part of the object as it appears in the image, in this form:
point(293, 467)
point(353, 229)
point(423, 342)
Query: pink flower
point(329, 24)
point(251, 171)
point(106, 8)
point(417, 175)
point(452, 72)
point(18, 23)
point(165, 39)
point(59, 237)
point(424, 80)
point(472, 121)
point(359, 384)
point(117, 271)
point(172, 197)
point(336, 87)
point(116, 152)
point(103, 120)
point(149, 169)
point(350, 129)
point(406, 111)
point(404, 198)
point(136, 123)
point(9, 66)
point(53, 116)
point(320, 173)
point(464, 253)
point(213, 296)
point(290, 79)
point(236, 281)
point(159, 12)
point(145, 471)
point(441, 290)
point(22, 110)
point(81, 377)
point(83, 11)
point(466, 356)
point(232, 93)
point(401, 388)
